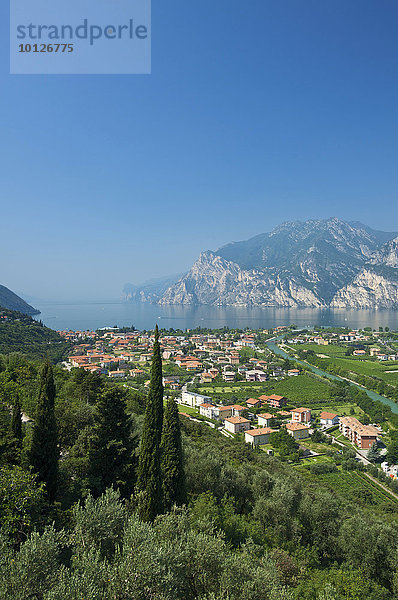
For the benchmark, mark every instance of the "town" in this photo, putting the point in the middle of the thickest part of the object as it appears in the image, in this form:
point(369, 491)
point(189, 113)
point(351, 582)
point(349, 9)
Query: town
point(237, 384)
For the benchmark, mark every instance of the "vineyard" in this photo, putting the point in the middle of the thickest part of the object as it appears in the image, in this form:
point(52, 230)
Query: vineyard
point(354, 485)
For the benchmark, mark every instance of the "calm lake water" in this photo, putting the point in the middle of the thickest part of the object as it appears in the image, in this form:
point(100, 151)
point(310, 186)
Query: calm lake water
point(144, 316)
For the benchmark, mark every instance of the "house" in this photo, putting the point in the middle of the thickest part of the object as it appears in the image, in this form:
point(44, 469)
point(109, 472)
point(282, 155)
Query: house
point(359, 353)
point(363, 436)
point(293, 372)
point(255, 437)
point(136, 372)
point(301, 415)
point(206, 377)
point(264, 419)
point(328, 419)
point(117, 374)
point(297, 430)
point(274, 401)
point(391, 471)
point(224, 412)
point(145, 357)
point(170, 379)
point(237, 410)
point(228, 376)
point(255, 375)
point(374, 351)
point(234, 360)
point(208, 410)
point(253, 403)
point(236, 424)
point(194, 400)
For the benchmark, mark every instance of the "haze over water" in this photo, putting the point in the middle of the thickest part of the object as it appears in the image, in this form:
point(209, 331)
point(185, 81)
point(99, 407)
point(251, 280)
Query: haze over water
point(81, 316)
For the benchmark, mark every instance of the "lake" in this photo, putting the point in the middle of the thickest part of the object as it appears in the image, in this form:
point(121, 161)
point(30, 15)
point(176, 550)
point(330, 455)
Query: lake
point(86, 315)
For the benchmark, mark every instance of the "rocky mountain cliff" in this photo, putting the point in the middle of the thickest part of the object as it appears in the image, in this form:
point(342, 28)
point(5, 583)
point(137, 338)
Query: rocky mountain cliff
point(298, 264)
point(13, 302)
point(376, 285)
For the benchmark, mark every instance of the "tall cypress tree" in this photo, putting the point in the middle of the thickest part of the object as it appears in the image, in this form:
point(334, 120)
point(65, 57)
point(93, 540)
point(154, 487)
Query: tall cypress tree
point(111, 456)
point(149, 468)
point(174, 490)
point(16, 422)
point(44, 449)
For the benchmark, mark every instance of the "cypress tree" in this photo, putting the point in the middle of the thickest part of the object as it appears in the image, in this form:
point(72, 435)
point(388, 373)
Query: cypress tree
point(174, 491)
point(149, 468)
point(112, 462)
point(44, 449)
point(16, 423)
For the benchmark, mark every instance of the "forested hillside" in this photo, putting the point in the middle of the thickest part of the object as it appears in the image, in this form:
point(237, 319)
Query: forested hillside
point(21, 333)
point(108, 496)
point(10, 300)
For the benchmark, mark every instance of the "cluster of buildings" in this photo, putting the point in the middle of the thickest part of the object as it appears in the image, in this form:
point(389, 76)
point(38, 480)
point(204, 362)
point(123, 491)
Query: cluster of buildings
point(205, 356)
point(234, 419)
point(352, 337)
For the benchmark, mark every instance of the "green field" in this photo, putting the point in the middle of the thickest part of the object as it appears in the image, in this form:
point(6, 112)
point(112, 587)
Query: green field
point(362, 366)
point(357, 486)
point(341, 409)
point(302, 390)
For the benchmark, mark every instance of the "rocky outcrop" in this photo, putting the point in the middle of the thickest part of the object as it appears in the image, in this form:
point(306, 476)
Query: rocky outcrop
point(368, 290)
point(216, 281)
point(376, 285)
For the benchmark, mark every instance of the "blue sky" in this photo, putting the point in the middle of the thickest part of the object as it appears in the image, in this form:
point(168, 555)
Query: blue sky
point(255, 113)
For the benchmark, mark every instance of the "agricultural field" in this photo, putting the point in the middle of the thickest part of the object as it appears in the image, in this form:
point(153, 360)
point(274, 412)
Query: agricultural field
point(303, 390)
point(354, 485)
point(342, 409)
point(387, 370)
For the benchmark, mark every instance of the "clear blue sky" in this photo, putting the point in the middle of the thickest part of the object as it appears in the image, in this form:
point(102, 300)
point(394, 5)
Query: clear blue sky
point(256, 112)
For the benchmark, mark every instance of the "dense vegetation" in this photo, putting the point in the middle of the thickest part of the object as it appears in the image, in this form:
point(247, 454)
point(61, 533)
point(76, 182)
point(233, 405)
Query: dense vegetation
point(21, 333)
point(225, 523)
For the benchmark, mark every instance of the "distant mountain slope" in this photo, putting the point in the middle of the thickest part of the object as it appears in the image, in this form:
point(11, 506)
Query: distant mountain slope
point(13, 302)
point(150, 290)
point(376, 285)
point(297, 264)
point(214, 280)
point(21, 333)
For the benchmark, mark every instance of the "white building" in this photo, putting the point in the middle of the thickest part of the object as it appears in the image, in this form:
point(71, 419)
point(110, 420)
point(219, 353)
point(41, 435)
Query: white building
point(209, 410)
point(194, 400)
point(328, 419)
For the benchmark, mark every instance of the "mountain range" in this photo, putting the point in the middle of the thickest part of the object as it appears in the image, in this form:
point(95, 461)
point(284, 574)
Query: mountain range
point(11, 301)
point(316, 263)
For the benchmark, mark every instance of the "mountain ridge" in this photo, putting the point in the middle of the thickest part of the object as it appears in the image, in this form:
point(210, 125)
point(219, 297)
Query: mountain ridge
point(300, 263)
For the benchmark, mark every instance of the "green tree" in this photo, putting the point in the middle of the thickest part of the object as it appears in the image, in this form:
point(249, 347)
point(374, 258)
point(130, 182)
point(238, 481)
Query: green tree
point(16, 422)
point(43, 454)
point(149, 468)
point(373, 454)
point(21, 500)
point(174, 490)
point(111, 454)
